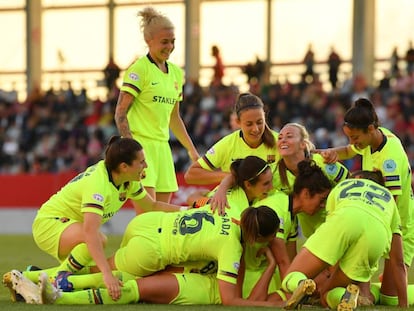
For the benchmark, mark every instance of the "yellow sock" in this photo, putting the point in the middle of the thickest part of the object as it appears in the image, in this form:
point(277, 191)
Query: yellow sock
point(78, 258)
point(410, 294)
point(388, 300)
point(34, 275)
point(375, 291)
point(334, 296)
point(95, 280)
point(393, 300)
point(129, 294)
point(291, 281)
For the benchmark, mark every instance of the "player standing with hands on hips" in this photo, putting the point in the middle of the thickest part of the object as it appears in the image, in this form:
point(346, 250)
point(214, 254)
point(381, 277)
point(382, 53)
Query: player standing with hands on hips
point(149, 105)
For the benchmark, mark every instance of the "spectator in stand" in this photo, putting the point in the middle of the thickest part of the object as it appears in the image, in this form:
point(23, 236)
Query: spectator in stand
point(409, 58)
point(254, 71)
point(225, 98)
point(334, 61)
point(394, 62)
point(360, 88)
point(149, 105)
point(234, 125)
point(290, 104)
point(111, 73)
point(218, 68)
point(309, 61)
point(95, 146)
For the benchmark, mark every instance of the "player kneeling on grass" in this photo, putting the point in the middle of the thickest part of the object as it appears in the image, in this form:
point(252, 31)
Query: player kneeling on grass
point(68, 225)
point(365, 225)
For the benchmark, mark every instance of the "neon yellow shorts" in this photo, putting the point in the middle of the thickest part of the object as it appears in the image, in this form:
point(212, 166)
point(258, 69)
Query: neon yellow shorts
point(354, 238)
point(197, 289)
point(140, 252)
point(47, 232)
point(160, 173)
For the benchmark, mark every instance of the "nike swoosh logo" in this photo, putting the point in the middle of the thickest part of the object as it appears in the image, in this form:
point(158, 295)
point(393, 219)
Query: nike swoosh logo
point(154, 83)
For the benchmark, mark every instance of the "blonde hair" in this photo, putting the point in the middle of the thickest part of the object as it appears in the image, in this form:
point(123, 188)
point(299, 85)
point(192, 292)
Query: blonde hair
point(309, 147)
point(305, 137)
point(152, 21)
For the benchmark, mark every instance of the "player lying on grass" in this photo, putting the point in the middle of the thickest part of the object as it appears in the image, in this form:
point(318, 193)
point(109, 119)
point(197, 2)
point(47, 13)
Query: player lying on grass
point(254, 180)
point(160, 288)
point(172, 238)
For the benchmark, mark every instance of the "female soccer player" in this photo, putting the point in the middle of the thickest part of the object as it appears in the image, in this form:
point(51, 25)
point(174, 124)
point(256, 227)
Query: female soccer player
point(154, 240)
point(364, 221)
point(254, 138)
point(160, 288)
point(68, 225)
point(309, 192)
point(252, 181)
point(149, 105)
point(293, 147)
point(380, 150)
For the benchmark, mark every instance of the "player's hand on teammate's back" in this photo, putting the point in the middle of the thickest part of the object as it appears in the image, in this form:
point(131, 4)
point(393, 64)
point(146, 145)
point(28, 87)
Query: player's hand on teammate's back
point(219, 202)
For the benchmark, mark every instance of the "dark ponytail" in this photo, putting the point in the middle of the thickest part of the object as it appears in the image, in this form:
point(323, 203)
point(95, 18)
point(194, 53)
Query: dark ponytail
point(311, 177)
point(361, 115)
point(248, 169)
point(121, 150)
point(258, 222)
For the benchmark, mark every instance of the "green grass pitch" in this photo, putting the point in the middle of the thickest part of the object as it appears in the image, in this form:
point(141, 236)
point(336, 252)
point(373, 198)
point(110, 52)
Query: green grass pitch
point(18, 251)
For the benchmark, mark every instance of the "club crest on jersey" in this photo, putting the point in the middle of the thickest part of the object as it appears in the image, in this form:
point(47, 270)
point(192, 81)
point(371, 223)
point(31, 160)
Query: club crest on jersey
point(271, 158)
point(236, 266)
point(210, 151)
point(122, 196)
point(331, 169)
point(98, 197)
point(389, 165)
point(133, 76)
point(176, 85)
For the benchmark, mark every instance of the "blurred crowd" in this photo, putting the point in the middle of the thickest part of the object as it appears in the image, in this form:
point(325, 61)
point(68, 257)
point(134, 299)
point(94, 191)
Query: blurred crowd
point(64, 130)
point(54, 131)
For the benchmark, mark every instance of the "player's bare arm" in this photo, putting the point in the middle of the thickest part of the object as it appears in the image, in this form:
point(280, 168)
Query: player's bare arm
point(177, 126)
point(124, 102)
point(332, 155)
